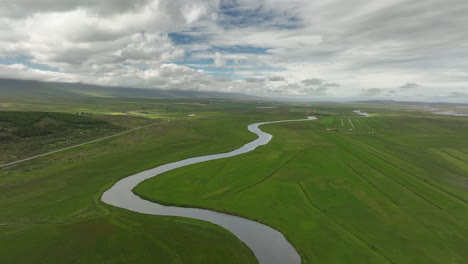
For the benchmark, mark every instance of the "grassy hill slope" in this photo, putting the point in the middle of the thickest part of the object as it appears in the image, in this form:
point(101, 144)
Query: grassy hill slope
point(11, 87)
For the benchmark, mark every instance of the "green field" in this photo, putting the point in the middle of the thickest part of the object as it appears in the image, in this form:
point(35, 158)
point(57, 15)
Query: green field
point(386, 189)
point(51, 208)
point(392, 190)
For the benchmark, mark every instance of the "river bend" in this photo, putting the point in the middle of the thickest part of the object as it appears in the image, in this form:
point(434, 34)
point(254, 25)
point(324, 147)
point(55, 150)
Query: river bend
point(268, 244)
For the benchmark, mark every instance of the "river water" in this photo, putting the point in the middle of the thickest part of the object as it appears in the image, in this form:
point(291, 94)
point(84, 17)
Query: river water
point(362, 113)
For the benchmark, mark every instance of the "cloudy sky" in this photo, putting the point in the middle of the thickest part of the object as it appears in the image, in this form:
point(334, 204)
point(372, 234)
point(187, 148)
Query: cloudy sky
point(323, 50)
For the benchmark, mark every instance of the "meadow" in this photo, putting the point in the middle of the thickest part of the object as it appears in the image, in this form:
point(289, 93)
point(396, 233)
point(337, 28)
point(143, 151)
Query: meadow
point(386, 189)
point(51, 207)
point(391, 190)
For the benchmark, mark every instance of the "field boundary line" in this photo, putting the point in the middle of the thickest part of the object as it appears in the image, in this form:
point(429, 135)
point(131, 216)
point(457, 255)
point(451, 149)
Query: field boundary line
point(453, 156)
point(387, 175)
point(74, 146)
point(273, 173)
point(374, 149)
point(373, 185)
point(429, 183)
point(451, 169)
point(392, 154)
point(340, 225)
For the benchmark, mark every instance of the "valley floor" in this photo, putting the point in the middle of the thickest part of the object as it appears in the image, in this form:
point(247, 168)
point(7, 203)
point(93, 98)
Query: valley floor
point(387, 189)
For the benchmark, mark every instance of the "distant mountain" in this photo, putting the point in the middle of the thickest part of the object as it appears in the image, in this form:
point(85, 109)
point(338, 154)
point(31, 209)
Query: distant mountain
point(392, 102)
point(12, 87)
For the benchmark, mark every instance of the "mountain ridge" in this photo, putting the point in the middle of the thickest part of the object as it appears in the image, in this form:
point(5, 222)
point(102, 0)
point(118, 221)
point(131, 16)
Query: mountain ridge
point(16, 87)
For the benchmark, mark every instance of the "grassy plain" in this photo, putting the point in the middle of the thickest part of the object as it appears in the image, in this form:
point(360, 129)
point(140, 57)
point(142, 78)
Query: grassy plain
point(392, 190)
point(51, 208)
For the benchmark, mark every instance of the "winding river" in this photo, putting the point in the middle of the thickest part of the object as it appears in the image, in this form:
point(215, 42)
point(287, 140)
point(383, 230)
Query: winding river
point(268, 245)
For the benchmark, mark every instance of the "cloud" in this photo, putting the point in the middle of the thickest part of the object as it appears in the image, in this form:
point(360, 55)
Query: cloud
point(352, 45)
point(410, 86)
point(322, 86)
point(331, 85)
point(254, 80)
point(20, 71)
point(372, 92)
point(313, 81)
point(458, 95)
point(220, 60)
point(22, 8)
point(298, 89)
point(276, 79)
point(320, 91)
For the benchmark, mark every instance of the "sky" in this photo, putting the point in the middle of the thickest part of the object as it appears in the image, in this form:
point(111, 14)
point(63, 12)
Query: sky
point(317, 50)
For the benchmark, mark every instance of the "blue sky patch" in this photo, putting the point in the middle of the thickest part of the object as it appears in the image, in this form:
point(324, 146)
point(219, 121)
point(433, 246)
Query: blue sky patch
point(179, 38)
point(207, 61)
point(233, 15)
point(241, 49)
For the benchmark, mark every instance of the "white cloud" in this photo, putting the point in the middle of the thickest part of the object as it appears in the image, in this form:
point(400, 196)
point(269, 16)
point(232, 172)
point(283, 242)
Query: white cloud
point(276, 79)
point(372, 92)
point(410, 86)
point(219, 60)
point(20, 71)
point(353, 46)
point(313, 81)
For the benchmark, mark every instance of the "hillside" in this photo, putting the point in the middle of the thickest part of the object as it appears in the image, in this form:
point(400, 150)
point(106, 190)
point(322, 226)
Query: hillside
point(12, 87)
